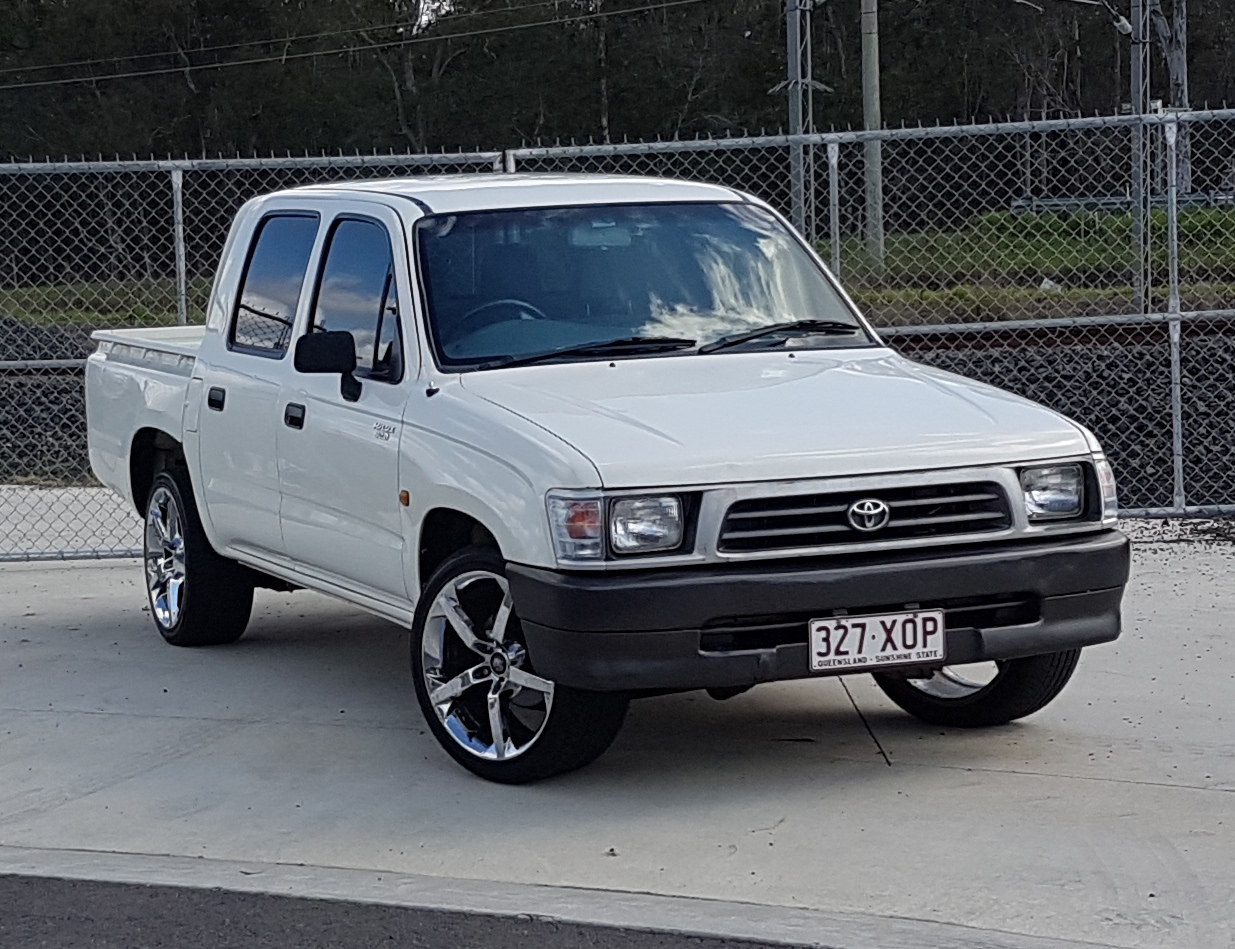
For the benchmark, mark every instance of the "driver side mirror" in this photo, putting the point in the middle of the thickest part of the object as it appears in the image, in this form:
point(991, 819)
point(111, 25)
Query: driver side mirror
point(330, 352)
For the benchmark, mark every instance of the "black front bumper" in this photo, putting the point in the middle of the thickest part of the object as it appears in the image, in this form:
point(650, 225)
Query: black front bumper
point(737, 625)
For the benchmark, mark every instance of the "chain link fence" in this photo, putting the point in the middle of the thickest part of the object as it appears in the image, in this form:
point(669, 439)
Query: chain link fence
point(85, 246)
point(1087, 264)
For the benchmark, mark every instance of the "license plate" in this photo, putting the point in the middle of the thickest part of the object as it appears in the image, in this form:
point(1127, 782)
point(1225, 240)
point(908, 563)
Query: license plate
point(871, 642)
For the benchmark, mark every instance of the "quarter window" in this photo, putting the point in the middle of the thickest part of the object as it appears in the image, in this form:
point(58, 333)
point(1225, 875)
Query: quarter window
point(356, 293)
point(272, 282)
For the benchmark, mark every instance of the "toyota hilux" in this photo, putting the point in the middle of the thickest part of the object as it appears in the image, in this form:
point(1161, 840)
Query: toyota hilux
point(593, 439)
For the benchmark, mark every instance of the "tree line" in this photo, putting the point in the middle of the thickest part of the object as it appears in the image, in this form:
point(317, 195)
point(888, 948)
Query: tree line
point(225, 76)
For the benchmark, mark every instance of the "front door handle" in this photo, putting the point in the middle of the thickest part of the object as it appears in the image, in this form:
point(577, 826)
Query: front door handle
point(216, 397)
point(293, 415)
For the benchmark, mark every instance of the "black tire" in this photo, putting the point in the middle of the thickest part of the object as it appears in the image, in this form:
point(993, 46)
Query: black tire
point(215, 597)
point(1021, 687)
point(577, 727)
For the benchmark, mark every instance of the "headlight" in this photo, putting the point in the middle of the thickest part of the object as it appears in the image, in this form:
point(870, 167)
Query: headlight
point(643, 525)
point(577, 527)
point(581, 524)
point(1106, 481)
point(1054, 492)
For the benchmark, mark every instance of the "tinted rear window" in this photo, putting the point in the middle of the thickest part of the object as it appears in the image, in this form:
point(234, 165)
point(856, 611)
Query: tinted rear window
point(272, 282)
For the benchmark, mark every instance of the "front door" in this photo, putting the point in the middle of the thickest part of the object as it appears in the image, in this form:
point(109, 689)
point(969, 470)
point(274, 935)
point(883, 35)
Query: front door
point(339, 458)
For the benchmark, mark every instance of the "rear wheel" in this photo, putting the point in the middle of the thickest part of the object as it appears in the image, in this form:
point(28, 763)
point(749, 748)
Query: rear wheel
point(483, 701)
point(982, 694)
point(197, 598)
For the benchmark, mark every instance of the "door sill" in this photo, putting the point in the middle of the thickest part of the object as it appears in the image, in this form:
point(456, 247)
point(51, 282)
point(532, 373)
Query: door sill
point(397, 611)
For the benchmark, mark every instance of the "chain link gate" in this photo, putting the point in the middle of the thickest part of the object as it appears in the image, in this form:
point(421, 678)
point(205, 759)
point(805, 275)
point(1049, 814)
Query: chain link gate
point(1037, 256)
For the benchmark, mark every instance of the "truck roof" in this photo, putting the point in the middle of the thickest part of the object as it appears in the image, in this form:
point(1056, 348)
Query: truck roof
point(478, 192)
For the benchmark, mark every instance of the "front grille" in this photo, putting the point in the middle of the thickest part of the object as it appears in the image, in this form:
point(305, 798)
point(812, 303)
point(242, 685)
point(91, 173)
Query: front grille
point(821, 520)
point(744, 633)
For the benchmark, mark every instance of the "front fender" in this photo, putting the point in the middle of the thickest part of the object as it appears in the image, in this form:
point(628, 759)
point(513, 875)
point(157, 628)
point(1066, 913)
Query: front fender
point(468, 455)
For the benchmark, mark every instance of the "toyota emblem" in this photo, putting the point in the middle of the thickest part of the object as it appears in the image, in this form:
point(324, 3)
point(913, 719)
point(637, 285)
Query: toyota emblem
point(869, 514)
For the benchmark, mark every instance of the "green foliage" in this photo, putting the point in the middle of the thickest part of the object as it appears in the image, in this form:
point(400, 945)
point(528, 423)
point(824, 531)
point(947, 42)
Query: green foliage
point(979, 304)
point(1093, 249)
point(1008, 266)
point(364, 74)
point(100, 305)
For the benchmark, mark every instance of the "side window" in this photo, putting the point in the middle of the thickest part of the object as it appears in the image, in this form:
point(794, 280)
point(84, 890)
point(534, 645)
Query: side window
point(270, 288)
point(356, 293)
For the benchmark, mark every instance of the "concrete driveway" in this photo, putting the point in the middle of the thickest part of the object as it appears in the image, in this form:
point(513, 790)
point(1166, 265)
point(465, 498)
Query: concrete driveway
point(810, 812)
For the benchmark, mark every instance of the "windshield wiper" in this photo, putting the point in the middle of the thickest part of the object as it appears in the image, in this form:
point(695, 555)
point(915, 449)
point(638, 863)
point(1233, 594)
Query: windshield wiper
point(612, 347)
point(793, 328)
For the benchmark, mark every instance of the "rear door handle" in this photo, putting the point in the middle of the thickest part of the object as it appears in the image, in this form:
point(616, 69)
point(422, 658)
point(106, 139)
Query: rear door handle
point(293, 415)
point(216, 397)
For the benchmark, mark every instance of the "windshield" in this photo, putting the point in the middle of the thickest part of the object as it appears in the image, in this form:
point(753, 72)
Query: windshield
point(516, 284)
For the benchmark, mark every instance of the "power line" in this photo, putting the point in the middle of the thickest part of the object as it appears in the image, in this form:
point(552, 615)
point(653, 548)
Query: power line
point(269, 41)
point(198, 49)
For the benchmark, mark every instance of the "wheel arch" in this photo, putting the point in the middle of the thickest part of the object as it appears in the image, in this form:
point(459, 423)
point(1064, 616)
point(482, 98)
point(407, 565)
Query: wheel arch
point(151, 451)
point(445, 531)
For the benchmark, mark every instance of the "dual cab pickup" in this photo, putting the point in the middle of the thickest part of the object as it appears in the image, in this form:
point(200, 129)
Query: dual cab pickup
point(592, 439)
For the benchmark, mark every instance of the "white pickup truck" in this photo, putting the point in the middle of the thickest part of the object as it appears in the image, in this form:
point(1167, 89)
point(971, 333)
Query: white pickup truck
point(591, 439)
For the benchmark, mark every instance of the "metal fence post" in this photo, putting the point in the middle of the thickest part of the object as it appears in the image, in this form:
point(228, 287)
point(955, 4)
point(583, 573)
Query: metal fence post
point(872, 121)
point(1173, 313)
point(834, 203)
point(1141, 184)
point(795, 87)
point(1141, 219)
point(508, 162)
point(182, 280)
point(797, 187)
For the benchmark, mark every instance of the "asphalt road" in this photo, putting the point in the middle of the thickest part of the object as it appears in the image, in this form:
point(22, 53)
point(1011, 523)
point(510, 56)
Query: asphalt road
point(36, 913)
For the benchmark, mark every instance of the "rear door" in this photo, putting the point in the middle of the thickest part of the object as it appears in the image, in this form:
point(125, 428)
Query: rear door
point(240, 387)
point(339, 459)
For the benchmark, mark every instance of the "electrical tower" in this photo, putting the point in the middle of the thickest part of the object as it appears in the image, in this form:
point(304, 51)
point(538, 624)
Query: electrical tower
point(801, 88)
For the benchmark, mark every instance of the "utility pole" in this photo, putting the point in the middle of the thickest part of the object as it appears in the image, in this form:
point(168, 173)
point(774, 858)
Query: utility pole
point(800, 85)
point(1173, 37)
point(872, 116)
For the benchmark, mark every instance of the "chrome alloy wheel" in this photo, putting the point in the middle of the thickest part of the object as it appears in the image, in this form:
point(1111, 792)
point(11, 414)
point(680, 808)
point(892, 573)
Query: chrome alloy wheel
point(164, 552)
point(475, 669)
point(958, 682)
